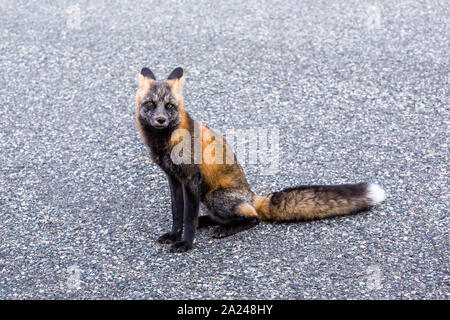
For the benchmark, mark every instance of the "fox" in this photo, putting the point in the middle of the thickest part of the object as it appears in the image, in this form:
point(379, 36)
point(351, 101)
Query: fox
point(220, 188)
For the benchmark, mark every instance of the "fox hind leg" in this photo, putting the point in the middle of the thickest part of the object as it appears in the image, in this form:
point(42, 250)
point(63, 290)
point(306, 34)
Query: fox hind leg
point(234, 227)
point(233, 210)
point(206, 221)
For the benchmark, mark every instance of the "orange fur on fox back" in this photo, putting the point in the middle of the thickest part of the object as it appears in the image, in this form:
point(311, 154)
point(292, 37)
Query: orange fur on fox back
point(223, 174)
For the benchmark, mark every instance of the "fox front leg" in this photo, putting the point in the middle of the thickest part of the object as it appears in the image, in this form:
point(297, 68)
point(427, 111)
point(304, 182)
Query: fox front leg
point(176, 193)
point(191, 194)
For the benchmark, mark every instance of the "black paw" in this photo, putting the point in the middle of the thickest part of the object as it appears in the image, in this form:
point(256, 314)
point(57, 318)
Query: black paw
point(181, 246)
point(222, 232)
point(169, 237)
point(205, 221)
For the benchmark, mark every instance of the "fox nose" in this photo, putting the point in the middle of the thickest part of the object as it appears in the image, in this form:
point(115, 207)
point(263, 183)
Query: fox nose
point(161, 120)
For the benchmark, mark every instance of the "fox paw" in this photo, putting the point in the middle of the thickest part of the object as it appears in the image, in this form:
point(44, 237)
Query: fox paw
point(205, 221)
point(169, 237)
point(222, 232)
point(181, 246)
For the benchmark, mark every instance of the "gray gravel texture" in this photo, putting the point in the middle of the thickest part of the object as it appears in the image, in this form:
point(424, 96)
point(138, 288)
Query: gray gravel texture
point(358, 90)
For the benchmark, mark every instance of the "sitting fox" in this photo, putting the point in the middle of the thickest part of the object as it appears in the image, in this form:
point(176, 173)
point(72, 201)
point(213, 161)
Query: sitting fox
point(221, 186)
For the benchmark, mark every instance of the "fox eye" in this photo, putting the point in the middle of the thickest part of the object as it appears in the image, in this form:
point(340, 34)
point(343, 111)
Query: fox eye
point(149, 104)
point(169, 106)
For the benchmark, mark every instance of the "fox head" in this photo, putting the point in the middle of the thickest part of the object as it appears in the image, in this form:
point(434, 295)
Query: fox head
point(160, 103)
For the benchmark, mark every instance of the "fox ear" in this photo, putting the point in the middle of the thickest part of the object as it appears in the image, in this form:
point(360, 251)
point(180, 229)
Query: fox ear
point(176, 80)
point(146, 77)
point(177, 73)
point(146, 72)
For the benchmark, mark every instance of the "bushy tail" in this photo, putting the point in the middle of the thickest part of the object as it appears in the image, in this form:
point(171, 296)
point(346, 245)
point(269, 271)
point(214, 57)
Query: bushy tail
point(316, 202)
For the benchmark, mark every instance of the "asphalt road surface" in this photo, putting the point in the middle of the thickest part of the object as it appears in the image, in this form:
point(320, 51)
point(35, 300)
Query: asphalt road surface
point(358, 91)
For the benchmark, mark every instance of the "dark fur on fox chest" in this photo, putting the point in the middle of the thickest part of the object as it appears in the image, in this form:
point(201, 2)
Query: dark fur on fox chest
point(160, 151)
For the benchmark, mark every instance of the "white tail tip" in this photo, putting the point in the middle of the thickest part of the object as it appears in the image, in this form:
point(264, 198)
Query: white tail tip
point(376, 194)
